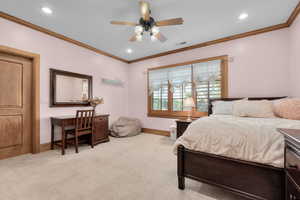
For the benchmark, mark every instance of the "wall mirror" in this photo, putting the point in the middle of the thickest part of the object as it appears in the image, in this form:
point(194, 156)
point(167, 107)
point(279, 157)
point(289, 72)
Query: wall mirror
point(68, 89)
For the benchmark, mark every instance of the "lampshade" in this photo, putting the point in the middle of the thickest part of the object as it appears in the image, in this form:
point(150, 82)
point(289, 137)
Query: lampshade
point(189, 102)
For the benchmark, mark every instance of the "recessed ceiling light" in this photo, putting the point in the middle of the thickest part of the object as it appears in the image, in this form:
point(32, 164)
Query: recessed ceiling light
point(243, 16)
point(47, 10)
point(129, 51)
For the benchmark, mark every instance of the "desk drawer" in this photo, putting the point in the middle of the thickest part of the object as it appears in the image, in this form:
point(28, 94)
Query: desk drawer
point(69, 122)
point(102, 118)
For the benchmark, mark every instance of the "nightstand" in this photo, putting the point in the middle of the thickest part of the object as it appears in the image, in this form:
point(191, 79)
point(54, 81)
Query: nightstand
point(292, 163)
point(181, 126)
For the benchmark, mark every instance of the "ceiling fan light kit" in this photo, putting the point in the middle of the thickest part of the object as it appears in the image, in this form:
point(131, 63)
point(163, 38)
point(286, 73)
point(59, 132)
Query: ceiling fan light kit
point(155, 30)
point(138, 29)
point(153, 38)
point(139, 37)
point(148, 24)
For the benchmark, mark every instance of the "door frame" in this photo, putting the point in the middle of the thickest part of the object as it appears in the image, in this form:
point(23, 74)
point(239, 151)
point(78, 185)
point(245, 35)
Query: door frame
point(35, 91)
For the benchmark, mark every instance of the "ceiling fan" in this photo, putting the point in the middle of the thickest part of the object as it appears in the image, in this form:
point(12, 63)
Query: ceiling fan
point(148, 24)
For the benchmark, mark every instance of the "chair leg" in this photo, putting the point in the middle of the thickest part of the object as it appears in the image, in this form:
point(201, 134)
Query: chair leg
point(66, 141)
point(76, 143)
point(181, 182)
point(92, 141)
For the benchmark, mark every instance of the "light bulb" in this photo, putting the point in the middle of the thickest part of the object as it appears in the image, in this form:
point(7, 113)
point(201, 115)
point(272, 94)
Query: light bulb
point(138, 29)
point(155, 30)
point(139, 37)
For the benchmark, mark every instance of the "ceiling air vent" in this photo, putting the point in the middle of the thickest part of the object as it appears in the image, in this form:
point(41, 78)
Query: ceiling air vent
point(180, 43)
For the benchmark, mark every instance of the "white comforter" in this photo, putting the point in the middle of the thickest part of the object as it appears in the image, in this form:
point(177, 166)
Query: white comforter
point(250, 139)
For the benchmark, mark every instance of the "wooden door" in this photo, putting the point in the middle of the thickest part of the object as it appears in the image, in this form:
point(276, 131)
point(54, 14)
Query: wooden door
point(15, 105)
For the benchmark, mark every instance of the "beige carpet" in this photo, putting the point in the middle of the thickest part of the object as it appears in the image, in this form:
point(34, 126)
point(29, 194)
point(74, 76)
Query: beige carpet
point(137, 168)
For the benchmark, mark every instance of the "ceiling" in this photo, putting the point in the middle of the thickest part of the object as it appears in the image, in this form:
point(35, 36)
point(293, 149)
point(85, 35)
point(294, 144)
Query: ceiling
point(87, 21)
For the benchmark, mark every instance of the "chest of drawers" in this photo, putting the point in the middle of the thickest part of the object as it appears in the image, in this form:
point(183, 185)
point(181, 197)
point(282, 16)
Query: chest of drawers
point(292, 163)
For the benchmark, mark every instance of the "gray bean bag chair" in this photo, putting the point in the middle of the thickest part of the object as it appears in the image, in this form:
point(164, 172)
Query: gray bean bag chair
point(126, 127)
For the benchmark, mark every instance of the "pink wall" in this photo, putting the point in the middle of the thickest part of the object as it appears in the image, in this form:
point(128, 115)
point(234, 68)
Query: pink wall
point(295, 58)
point(259, 68)
point(56, 53)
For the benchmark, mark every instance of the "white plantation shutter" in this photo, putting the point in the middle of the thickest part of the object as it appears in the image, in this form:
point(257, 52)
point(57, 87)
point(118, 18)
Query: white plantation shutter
point(207, 79)
point(158, 88)
point(180, 92)
point(160, 98)
point(180, 75)
point(156, 79)
point(180, 79)
point(178, 83)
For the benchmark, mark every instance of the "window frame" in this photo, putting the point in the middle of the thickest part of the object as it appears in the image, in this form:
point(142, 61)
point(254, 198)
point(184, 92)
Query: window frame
point(183, 114)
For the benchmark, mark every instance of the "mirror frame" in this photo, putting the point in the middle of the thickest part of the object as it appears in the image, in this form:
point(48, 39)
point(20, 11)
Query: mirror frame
point(53, 74)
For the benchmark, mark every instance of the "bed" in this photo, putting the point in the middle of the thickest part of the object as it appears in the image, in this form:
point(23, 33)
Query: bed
point(253, 180)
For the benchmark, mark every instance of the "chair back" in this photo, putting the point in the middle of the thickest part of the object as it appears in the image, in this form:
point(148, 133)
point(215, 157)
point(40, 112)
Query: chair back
point(84, 119)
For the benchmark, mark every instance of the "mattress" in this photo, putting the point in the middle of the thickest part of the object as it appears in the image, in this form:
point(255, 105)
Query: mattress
point(249, 139)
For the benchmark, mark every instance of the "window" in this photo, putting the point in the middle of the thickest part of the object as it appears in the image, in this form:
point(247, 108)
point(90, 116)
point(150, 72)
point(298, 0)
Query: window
point(169, 86)
point(160, 98)
point(179, 93)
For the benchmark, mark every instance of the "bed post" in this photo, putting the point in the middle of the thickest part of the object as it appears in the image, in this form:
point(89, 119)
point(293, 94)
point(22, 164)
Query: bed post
point(180, 167)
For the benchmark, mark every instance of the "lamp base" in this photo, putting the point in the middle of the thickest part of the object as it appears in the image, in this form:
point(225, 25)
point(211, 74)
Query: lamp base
point(189, 119)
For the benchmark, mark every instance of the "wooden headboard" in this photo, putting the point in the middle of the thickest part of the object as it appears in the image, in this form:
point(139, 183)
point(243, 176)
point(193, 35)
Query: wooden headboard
point(210, 101)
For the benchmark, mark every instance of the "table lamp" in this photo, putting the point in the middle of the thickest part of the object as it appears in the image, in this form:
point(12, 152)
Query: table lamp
point(190, 104)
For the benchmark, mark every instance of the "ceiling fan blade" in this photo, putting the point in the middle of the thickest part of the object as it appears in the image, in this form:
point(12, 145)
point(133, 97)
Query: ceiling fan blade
point(169, 22)
point(161, 37)
point(124, 23)
point(133, 38)
point(145, 10)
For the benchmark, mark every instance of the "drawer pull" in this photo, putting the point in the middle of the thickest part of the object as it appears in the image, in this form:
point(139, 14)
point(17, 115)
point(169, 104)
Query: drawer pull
point(293, 166)
point(293, 197)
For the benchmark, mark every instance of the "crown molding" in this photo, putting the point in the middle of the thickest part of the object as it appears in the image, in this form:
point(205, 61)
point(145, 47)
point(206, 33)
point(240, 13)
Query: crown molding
point(57, 35)
point(294, 15)
point(287, 24)
point(212, 42)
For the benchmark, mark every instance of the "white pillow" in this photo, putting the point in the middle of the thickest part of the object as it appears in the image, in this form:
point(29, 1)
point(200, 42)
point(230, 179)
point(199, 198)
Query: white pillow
point(222, 107)
point(260, 109)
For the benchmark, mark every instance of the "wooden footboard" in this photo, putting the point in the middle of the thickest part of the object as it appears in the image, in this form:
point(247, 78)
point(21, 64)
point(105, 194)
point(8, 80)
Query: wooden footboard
point(251, 180)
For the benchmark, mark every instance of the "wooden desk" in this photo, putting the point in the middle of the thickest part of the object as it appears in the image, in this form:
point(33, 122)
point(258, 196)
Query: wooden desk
point(101, 131)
